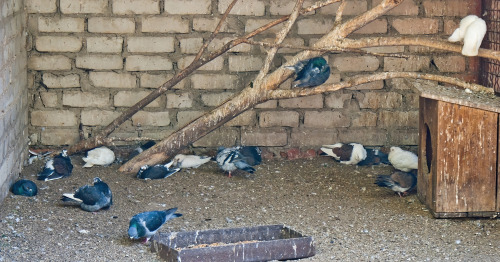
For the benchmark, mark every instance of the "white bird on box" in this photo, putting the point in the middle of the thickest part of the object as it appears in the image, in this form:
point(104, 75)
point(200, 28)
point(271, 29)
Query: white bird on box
point(472, 30)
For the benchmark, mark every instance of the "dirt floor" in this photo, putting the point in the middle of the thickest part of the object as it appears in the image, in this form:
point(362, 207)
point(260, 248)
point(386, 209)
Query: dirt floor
point(349, 217)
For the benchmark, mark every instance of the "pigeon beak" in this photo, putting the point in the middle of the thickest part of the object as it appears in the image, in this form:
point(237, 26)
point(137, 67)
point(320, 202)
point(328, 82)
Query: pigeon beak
point(169, 164)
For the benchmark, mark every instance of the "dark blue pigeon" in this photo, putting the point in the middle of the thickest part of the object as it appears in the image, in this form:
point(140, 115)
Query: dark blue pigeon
point(310, 73)
point(141, 149)
point(399, 182)
point(92, 198)
point(375, 157)
point(147, 223)
point(156, 171)
point(24, 187)
point(58, 167)
point(230, 159)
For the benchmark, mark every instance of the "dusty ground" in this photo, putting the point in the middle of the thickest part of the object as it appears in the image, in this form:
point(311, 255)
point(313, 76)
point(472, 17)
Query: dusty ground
point(350, 218)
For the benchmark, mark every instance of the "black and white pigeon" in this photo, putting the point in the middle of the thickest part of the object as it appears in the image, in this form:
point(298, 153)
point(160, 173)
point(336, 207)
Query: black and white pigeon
point(100, 156)
point(374, 157)
point(189, 161)
point(147, 223)
point(348, 154)
point(403, 160)
point(58, 167)
point(399, 182)
point(24, 187)
point(156, 171)
point(231, 159)
point(91, 198)
point(141, 149)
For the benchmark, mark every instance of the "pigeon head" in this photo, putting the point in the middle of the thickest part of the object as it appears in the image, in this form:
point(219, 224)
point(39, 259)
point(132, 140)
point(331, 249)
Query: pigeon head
point(318, 61)
point(178, 159)
point(395, 149)
point(132, 231)
point(30, 189)
point(64, 153)
point(135, 230)
point(144, 167)
point(97, 180)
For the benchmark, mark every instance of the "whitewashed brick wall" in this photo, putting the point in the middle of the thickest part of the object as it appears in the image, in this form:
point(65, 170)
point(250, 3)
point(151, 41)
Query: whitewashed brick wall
point(91, 59)
point(13, 93)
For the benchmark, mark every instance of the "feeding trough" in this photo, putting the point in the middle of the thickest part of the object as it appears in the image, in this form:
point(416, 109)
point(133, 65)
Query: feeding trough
point(261, 243)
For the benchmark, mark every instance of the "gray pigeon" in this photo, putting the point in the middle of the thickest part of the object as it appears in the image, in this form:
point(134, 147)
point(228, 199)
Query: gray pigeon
point(399, 182)
point(24, 187)
point(141, 149)
point(58, 167)
point(189, 161)
point(156, 171)
point(91, 198)
point(230, 159)
point(147, 223)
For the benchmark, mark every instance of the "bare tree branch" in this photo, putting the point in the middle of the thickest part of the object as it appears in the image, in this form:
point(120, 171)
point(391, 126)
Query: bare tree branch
point(247, 98)
point(363, 79)
point(216, 31)
point(100, 139)
point(280, 36)
point(332, 50)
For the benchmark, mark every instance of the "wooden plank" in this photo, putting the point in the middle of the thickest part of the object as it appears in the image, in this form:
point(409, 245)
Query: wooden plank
point(427, 162)
point(456, 95)
point(466, 159)
point(498, 166)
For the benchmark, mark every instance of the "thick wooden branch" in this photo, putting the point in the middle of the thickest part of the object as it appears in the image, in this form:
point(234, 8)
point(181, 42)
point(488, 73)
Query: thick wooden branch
point(100, 139)
point(412, 41)
point(363, 79)
point(249, 97)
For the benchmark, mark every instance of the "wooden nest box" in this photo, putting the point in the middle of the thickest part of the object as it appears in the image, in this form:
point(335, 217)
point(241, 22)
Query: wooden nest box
point(458, 152)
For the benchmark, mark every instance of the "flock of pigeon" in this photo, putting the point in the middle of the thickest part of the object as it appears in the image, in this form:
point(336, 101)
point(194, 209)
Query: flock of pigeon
point(93, 198)
point(402, 181)
point(310, 73)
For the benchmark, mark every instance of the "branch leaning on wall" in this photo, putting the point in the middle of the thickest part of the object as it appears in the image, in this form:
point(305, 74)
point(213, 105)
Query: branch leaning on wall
point(265, 85)
point(202, 58)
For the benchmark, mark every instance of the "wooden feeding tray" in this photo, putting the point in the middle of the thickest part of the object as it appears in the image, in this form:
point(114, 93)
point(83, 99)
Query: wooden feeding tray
point(458, 157)
point(261, 243)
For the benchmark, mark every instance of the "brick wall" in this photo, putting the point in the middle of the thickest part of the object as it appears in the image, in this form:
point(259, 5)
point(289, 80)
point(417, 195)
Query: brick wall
point(91, 59)
point(13, 92)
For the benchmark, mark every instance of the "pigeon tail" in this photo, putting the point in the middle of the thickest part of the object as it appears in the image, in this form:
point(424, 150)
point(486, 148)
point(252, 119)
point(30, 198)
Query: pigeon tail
point(384, 181)
point(244, 166)
point(88, 163)
point(70, 198)
point(473, 37)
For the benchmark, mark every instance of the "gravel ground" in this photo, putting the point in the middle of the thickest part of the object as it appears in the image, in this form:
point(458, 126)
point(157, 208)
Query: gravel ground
point(349, 217)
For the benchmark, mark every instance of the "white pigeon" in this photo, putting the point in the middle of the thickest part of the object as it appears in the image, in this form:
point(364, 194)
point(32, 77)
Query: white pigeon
point(349, 154)
point(403, 160)
point(101, 156)
point(189, 161)
point(472, 30)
